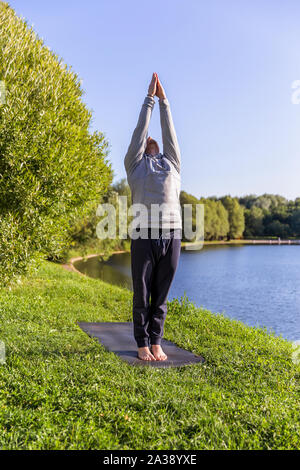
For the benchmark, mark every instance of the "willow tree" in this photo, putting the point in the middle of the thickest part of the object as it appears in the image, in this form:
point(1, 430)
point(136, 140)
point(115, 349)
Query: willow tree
point(52, 167)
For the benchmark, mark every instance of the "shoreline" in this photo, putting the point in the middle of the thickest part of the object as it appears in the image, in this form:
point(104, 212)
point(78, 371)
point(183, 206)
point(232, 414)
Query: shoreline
point(69, 266)
point(247, 242)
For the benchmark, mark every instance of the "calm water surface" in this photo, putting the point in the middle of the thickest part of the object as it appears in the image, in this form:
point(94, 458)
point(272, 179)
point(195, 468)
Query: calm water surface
point(257, 284)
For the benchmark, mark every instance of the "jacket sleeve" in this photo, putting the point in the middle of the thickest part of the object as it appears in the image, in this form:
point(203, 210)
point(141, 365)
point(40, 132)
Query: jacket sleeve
point(137, 145)
point(170, 144)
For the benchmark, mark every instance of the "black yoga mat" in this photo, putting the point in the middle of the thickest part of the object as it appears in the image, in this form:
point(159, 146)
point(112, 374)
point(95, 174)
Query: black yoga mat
point(118, 337)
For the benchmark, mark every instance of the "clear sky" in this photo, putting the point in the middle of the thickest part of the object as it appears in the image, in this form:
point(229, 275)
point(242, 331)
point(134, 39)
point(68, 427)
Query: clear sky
point(227, 67)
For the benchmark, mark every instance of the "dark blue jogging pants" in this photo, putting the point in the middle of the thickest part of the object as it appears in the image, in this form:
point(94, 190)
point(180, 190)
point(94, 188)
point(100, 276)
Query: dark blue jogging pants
point(153, 265)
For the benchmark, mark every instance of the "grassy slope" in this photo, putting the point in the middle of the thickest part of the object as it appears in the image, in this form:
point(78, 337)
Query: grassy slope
point(61, 390)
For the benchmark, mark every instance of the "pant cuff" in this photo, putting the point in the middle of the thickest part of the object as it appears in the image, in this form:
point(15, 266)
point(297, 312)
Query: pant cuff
point(141, 343)
point(155, 341)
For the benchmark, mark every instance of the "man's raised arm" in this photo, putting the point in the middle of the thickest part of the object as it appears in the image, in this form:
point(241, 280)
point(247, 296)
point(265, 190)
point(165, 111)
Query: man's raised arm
point(170, 144)
point(137, 145)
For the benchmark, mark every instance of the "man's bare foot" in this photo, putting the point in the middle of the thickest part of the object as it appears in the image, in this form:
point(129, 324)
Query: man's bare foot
point(158, 352)
point(145, 355)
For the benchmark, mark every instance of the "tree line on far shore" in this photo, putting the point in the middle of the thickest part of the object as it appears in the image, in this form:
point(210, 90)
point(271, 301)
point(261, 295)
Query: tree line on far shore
point(250, 216)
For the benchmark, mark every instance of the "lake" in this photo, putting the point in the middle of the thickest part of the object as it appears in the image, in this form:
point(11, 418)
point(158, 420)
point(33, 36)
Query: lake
point(257, 284)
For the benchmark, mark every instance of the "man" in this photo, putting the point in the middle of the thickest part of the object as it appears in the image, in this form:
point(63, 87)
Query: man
point(154, 179)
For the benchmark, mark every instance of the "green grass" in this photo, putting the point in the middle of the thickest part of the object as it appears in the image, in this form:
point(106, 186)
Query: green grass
point(60, 389)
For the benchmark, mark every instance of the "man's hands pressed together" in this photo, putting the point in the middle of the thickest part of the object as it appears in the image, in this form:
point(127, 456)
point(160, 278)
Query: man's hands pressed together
point(156, 88)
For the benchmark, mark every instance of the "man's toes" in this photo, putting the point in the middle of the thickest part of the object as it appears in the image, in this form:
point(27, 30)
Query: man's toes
point(159, 355)
point(162, 357)
point(146, 357)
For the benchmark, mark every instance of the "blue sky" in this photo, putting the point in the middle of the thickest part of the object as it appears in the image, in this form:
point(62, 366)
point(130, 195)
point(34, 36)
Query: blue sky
point(227, 67)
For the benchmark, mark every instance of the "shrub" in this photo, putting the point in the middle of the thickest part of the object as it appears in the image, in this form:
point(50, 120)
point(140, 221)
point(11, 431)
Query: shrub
point(52, 167)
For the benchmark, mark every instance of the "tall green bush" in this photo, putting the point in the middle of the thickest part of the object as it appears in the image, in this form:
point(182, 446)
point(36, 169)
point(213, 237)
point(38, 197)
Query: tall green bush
point(52, 167)
point(236, 216)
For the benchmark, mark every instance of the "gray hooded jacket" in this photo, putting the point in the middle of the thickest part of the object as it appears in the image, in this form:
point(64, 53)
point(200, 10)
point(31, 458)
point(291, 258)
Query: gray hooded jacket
point(155, 179)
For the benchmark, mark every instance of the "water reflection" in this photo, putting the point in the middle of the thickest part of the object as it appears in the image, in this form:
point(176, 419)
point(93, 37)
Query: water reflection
point(116, 270)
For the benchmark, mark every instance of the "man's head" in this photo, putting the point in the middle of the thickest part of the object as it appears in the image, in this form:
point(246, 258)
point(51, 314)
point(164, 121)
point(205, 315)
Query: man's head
point(152, 147)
